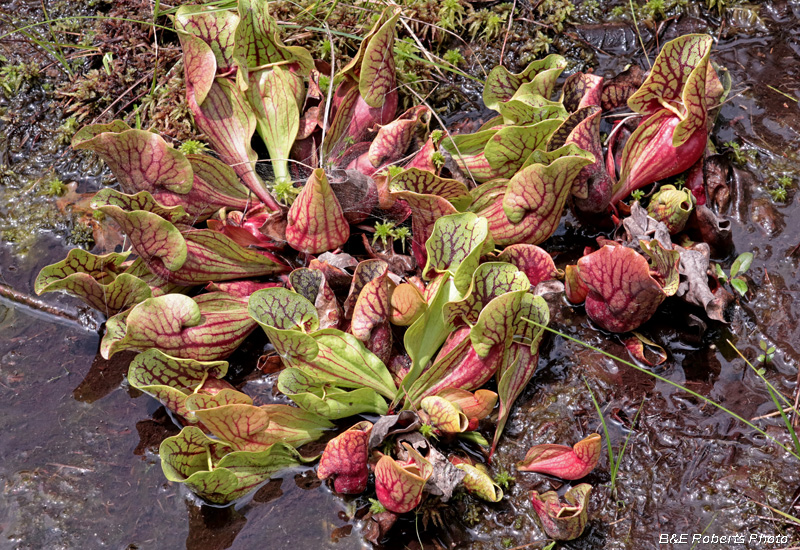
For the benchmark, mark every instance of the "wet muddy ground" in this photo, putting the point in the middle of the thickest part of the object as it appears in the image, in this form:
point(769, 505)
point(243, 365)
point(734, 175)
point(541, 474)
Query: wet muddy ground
point(78, 467)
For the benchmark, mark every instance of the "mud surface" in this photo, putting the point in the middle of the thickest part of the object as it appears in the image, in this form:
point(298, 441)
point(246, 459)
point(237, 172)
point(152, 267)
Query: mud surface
point(78, 462)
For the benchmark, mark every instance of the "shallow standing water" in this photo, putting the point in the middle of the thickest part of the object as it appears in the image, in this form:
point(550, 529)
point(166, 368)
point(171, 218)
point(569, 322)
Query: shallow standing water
point(77, 461)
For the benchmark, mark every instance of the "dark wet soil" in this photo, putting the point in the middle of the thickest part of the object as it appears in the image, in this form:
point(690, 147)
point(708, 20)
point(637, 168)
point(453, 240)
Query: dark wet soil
point(78, 467)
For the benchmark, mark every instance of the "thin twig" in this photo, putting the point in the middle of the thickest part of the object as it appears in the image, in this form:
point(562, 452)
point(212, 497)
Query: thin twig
point(508, 30)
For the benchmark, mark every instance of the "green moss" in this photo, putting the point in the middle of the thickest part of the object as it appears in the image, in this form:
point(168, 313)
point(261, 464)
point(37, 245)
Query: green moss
point(54, 187)
point(192, 147)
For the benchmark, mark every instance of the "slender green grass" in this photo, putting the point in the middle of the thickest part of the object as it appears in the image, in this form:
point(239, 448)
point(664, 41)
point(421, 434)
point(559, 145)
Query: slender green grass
point(614, 462)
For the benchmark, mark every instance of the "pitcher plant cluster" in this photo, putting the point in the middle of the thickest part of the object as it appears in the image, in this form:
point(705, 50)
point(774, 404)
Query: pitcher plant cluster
point(219, 250)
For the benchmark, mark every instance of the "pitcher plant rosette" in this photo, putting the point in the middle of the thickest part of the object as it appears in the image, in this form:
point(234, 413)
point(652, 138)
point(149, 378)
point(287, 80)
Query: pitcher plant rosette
point(227, 244)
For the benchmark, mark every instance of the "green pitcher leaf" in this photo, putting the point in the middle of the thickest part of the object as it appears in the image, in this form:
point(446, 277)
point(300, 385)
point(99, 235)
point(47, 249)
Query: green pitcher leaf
point(203, 465)
point(531, 109)
point(215, 186)
point(250, 428)
point(97, 280)
point(142, 200)
point(285, 317)
point(489, 280)
point(671, 206)
point(521, 361)
point(495, 324)
point(510, 147)
point(171, 380)
point(664, 264)
point(140, 160)
point(316, 222)
point(377, 76)
point(478, 483)
point(199, 66)
point(399, 485)
point(206, 328)
point(671, 73)
point(467, 151)
point(271, 93)
point(501, 85)
point(563, 521)
point(320, 397)
point(455, 246)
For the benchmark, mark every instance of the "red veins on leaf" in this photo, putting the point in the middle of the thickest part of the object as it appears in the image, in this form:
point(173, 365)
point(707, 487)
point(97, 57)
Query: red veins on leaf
point(561, 461)
point(345, 459)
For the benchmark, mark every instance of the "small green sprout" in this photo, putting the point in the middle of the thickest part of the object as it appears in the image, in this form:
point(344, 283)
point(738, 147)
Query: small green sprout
point(437, 159)
point(503, 479)
point(394, 170)
point(401, 234)
point(427, 431)
point(67, 129)
point(54, 187)
point(619, 12)
point(740, 156)
point(192, 147)
point(637, 194)
point(654, 9)
point(383, 231)
point(375, 506)
point(324, 83)
point(436, 136)
point(507, 542)
point(451, 14)
point(98, 215)
point(286, 192)
point(778, 194)
point(769, 352)
point(453, 57)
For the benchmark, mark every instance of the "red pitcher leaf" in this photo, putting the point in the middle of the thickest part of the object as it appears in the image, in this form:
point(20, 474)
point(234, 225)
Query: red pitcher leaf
point(561, 461)
point(445, 416)
point(199, 66)
point(489, 280)
point(423, 159)
point(618, 89)
point(286, 317)
point(671, 206)
point(478, 483)
point(622, 293)
point(271, 94)
point(311, 284)
point(315, 220)
point(521, 360)
point(560, 521)
point(455, 247)
point(582, 90)
point(537, 264)
point(399, 485)
point(214, 256)
point(215, 186)
point(214, 473)
point(345, 459)
point(574, 287)
point(467, 152)
point(501, 85)
point(636, 347)
point(541, 189)
point(215, 27)
point(256, 41)
point(229, 396)
point(671, 73)
point(366, 271)
point(207, 328)
point(476, 406)
point(99, 281)
point(535, 197)
point(510, 147)
point(407, 304)
point(663, 264)
point(240, 289)
point(228, 121)
point(393, 139)
point(142, 200)
point(140, 160)
point(318, 396)
point(371, 313)
point(649, 155)
point(171, 380)
point(153, 238)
